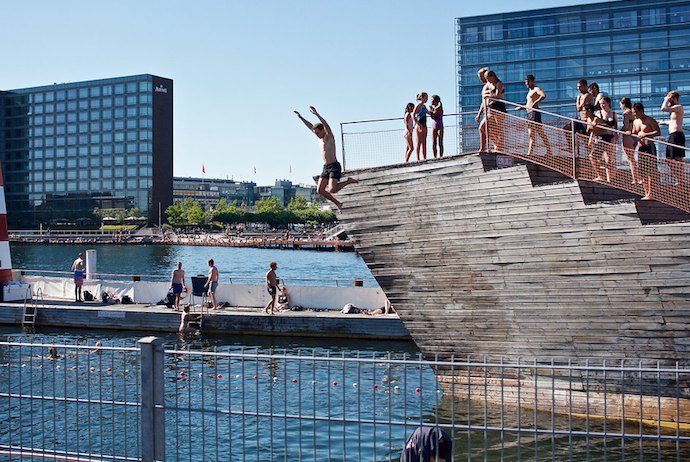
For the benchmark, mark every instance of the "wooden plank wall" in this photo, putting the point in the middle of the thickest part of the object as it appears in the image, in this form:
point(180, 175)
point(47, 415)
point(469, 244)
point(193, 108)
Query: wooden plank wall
point(485, 262)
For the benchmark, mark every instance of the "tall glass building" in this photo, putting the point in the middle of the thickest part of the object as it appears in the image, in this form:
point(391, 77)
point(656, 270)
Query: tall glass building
point(635, 48)
point(69, 148)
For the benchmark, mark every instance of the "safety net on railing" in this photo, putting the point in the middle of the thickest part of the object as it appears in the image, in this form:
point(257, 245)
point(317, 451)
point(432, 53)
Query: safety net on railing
point(374, 143)
point(598, 159)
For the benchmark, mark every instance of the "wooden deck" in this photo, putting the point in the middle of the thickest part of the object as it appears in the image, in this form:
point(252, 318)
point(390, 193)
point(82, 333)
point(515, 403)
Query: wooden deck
point(521, 261)
point(234, 320)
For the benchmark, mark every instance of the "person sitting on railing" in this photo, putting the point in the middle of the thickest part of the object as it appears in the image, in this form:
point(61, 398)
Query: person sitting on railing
point(498, 109)
point(676, 136)
point(603, 138)
point(535, 95)
point(646, 128)
point(629, 142)
point(486, 92)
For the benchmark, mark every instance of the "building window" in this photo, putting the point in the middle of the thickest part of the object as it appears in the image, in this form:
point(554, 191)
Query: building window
point(595, 45)
point(625, 42)
point(652, 17)
point(145, 87)
point(493, 32)
point(679, 14)
point(518, 29)
point(544, 26)
point(83, 92)
point(624, 63)
point(471, 34)
point(545, 49)
point(598, 65)
point(681, 60)
point(597, 22)
point(680, 81)
point(654, 61)
point(655, 39)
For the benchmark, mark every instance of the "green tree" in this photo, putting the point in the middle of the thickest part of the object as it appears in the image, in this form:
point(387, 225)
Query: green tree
point(268, 204)
point(187, 212)
point(298, 204)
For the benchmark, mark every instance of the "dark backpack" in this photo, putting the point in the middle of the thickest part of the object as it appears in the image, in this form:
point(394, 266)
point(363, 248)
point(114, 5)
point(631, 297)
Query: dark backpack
point(88, 296)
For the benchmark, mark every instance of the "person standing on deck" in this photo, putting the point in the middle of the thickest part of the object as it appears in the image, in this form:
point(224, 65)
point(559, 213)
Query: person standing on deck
point(486, 92)
point(436, 113)
point(646, 128)
point(212, 283)
point(329, 180)
point(177, 284)
point(78, 268)
point(420, 112)
point(535, 95)
point(676, 136)
point(271, 287)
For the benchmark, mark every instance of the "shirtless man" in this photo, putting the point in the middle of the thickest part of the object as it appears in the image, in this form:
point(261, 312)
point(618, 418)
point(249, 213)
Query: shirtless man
point(486, 92)
point(646, 128)
point(332, 170)
point(212, 283)
point(582, 100)
point(676, 136)
point(271, 287)
point(535, 95)
point(177, 284)
point(593, 89)
point(78, 268)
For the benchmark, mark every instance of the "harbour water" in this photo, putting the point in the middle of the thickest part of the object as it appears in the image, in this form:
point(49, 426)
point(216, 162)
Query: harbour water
point(157, 261)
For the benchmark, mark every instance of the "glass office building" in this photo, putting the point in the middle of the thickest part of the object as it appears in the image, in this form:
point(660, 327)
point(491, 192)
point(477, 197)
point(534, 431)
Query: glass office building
point(634, 48)
point(69, 148)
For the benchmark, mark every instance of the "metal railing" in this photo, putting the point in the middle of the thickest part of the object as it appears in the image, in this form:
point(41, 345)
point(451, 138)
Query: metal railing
point(95, 402)
point(582, 156)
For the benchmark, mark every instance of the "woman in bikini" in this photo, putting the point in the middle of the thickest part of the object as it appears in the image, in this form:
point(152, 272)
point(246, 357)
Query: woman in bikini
point(436, 112)
point(603, 146)
point(496, 115)
point(408, 120)
point(420, 120)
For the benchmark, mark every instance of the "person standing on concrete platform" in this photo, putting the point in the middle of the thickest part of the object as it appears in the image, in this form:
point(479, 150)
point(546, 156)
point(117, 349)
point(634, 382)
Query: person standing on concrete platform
point(486, 92)
point(428, 444)
point(78, 268)
point(676, 136)
point(271, 287)
point(329, 181)
point(177, 285)
point(212, 283)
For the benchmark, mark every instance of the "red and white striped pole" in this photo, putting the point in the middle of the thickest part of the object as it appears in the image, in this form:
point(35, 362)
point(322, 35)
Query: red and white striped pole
point(5, 259)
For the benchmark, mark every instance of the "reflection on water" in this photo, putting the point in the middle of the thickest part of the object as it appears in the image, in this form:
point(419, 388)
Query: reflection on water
point(159, 261)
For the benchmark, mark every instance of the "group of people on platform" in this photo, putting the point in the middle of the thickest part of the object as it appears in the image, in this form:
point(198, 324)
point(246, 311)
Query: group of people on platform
point(598, 121)
point(415, 120)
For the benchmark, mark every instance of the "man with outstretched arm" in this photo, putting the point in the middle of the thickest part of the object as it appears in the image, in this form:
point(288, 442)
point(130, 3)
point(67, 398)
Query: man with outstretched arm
point(329, 180)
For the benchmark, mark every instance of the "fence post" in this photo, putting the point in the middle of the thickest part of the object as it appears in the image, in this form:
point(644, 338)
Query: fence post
point(342, 144)
point(152, 399)
point(573, 137)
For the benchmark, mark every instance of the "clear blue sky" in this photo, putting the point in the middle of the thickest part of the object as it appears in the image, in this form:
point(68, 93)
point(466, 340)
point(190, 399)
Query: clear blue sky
point(241, 68)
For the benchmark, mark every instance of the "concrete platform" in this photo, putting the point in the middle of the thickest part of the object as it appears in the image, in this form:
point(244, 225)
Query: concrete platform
point(233, 320)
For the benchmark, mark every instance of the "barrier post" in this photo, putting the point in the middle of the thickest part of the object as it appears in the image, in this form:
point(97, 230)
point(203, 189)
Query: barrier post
point(152, 399)
point(573, 137)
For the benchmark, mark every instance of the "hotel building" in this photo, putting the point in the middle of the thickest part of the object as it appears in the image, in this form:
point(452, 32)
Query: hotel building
point(69, 148)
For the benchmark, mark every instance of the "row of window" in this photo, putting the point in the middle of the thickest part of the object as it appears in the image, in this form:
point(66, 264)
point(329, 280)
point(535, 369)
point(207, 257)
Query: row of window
point(578, 67)
point(130, 184)
point(91, 127)
point(90, 161)
point(575, 46)
point(84, 151)
point(91, 92)
point(94, 138)
point(141, 173)
point(569, 24)
point(94, 103)
point(37, 118)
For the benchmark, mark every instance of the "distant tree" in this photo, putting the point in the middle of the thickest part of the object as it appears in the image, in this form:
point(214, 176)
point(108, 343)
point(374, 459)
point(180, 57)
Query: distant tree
point(187, 212)
point(298, 204)
point(268, 204)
